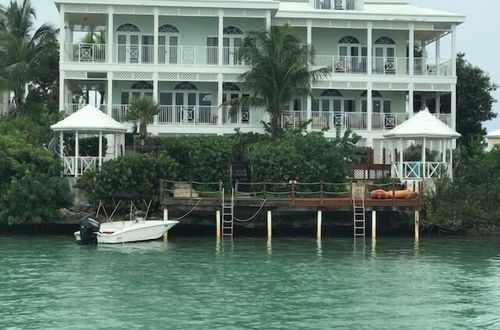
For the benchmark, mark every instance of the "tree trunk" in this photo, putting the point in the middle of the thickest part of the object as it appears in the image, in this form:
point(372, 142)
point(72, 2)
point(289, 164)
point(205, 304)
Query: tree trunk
point(143, 133)
point(274, 124)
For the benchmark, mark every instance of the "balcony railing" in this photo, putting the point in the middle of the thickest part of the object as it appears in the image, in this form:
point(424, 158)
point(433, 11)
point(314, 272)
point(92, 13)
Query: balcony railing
point(445, 118)
point(335, 4)
point(387, 121)
point(342, 64)
point(324, 120)
point(133, 54)
point(188, 115)
point(236, 116)
point(88, 53)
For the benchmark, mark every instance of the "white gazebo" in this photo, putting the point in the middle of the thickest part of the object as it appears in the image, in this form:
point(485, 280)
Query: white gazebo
point(421, 148)
point(88, 121)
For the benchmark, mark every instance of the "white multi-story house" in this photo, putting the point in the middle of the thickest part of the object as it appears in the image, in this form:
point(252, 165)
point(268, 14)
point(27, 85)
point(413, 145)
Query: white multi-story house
point(389, 59)
point(4, 95)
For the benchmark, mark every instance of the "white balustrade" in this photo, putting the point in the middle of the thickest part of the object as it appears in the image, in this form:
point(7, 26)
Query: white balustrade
point(335, 4)
point(74, 107)
point(236, 116)
point(417, 169)
point(188, 115)
point(85, 163)
point(342, 64)
point(134, 54)
point(82, 52)
point(387, 121)
point(445, 118)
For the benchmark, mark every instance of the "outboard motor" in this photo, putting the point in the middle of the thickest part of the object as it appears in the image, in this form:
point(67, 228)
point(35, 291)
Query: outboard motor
point(88, 229)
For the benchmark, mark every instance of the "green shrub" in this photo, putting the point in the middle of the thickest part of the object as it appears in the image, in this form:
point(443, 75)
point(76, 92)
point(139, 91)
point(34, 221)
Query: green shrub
point(306, 158)
point(139, 173)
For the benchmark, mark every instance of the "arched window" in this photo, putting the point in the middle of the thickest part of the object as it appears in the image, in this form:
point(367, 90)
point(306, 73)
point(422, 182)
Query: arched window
point(127, 27)
point(142, 85)
point(384, 41)
point(331, 93)
point(168, 28)
point(374, 94)
point(186, 86)
point(232, 30)
point(348, 40)
point(231, 87)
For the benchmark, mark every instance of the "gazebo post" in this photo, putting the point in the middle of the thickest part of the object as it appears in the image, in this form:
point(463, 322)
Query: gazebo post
point(76, 153)
point(450, 166)
point(100, 149)
point(61, 144)
point(116, 145)
point(424, 160)
point(401, 159)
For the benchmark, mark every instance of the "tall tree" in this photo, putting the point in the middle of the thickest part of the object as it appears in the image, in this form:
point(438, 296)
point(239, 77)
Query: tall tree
point(142, 110)
point(281, 71)
point(474, 100)
point(22, 49)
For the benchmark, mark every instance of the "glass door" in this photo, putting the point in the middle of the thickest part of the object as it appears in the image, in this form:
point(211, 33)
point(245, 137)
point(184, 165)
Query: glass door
point(168, 49)
point(147, 49)
point(232, 46)
point(212, 50)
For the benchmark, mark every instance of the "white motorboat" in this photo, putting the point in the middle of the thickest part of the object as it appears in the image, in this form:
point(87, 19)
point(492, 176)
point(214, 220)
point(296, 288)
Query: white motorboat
point(136, 229)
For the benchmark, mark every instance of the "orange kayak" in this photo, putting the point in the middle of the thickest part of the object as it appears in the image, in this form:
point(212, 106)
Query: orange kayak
point(398, 194)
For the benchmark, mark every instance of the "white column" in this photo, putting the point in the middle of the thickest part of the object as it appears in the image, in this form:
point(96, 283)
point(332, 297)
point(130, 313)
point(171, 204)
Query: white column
point(369, 59)
point(61, 145)
point(374, 224)
point(438, 102)
point(319, 224)
point(62, 33)
point(221, 37)
point(109, 94)
point(410, 99)
point(156, 35)
point(438, 51)
point(100, 149)
point(369, 106)
point(62, 91)
point(309, 98)
point(155, 87)
point(401, 159)
point(269, 225)
point(116, 145)
point(454, 106)
point(452, 142)
point(454, 49)
point(77, 151)
point(110, 40)
point(220, 90)
point(268, 20)
point(424, 160)
point(411, 47)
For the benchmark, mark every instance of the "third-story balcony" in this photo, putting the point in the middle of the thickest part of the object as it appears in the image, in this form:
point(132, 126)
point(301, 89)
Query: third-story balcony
point(335, 4)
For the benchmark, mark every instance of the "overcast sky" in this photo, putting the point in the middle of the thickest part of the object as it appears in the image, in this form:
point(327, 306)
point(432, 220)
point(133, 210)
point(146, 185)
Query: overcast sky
point(477, 38)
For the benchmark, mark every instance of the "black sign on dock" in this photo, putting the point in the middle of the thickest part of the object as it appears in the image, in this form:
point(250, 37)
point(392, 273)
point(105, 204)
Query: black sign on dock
point(241, 172)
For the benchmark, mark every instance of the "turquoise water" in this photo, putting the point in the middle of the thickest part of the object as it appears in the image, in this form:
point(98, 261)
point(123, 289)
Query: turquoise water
point(442, 283)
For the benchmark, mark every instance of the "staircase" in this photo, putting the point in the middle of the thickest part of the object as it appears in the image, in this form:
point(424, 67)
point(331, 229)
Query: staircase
point(227, 215)
point(359, 210)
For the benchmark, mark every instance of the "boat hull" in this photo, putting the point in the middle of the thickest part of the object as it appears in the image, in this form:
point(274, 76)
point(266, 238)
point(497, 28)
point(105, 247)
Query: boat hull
point(118, 232)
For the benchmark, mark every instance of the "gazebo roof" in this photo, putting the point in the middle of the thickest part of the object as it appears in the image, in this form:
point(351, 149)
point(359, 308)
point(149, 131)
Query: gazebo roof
point(89, 119)
point(423, 125)
point(494, 134)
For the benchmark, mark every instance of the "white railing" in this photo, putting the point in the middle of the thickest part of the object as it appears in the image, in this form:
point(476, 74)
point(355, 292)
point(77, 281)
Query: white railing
point(322, 120)
point(293, 119)
point(85, 163)
point(431, 67)
point(134, 54)
point(414, 170)
point(342, 64)
point(390, 65)
point(188, 115)
point(335, 4)
point(86, 52)
point(387, 121)
point(236, 116)
point(74, 107)
point(119, 112)
point(188, 55)
point(445, 118)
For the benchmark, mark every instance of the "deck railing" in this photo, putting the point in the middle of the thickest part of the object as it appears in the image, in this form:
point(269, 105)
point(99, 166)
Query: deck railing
point(88, 53)
point(188, 115)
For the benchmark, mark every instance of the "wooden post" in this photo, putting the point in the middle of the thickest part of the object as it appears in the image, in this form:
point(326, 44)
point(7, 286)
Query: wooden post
point(217, 224)
point(269, 225)
point(417, 225)
point(374, 224)
point(165, 218)
point(318, 224)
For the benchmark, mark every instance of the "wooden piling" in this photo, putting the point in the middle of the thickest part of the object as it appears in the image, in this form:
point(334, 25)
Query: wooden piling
point(269, 225)
point(374, 224)
point(217, 224)
point(319, 224)
point(417, 225)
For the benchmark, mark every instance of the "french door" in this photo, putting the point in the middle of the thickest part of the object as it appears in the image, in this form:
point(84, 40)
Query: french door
point(232, 45)
point(128, 48)
point(186, 107)
point(241, 115)
point(352, 59)
point(168, 49)
point(385, 60)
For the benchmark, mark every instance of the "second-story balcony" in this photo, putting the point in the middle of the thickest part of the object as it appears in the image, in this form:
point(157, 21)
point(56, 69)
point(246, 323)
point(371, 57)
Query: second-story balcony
point(385, 65)
point(144, 54)
point(335, 4)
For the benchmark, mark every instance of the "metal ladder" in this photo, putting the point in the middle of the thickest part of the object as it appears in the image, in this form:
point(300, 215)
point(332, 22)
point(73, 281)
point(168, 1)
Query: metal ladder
point(359, 216)
point(227, 215)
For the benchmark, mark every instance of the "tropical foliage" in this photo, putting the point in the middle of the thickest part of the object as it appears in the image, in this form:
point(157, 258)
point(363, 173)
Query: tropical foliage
point(23, 50)
point(142, 110)
point(281, 71)
point(473, 196)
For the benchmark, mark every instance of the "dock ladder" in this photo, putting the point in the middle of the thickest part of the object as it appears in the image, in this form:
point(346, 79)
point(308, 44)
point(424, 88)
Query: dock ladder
point(227, 215)
point(359, 215)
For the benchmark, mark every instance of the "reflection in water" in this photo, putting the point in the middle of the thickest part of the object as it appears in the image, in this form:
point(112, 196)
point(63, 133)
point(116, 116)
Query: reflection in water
point(319, 248)
point(269, 246)
point(140, 247)
point(374, 247)
point(416, 247)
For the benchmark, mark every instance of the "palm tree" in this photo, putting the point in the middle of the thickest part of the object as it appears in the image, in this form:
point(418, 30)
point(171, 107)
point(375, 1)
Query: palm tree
point(281, 71)
point(21, 49)
point(142, 110)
